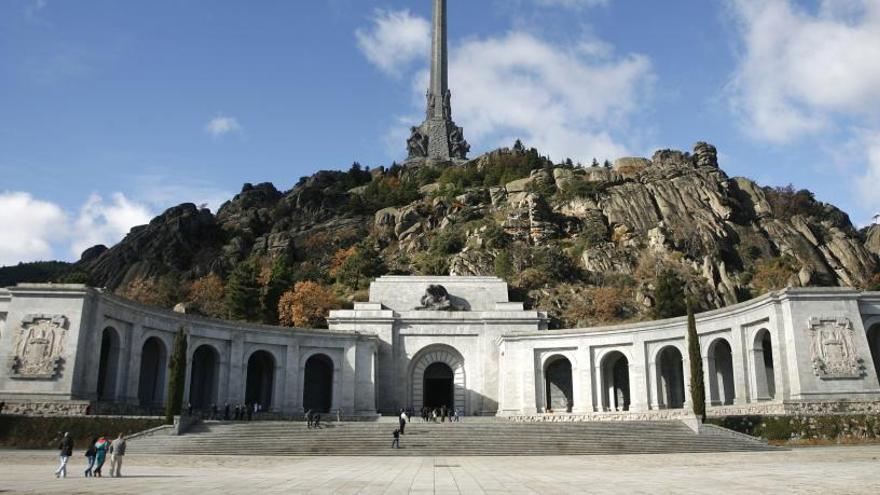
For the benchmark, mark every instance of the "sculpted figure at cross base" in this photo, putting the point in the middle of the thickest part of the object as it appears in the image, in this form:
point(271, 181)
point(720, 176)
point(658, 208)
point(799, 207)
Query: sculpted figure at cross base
point(417, 144)
point(458, 147)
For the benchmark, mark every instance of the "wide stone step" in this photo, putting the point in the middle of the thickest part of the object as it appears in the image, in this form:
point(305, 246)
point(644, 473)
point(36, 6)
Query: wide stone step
point(428, 439)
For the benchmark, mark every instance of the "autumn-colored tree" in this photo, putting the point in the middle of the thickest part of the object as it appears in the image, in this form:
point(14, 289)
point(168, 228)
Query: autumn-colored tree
point(356, 266)
point(610, 303)
point(207, 294)
point(308, 305)
point(163, 292)
point(773, 274)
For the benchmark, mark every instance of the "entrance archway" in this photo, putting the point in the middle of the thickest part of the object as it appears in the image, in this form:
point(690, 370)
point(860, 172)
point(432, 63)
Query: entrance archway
point(874, 345)
point(108, 365)
point(765, 376)
point(431, 367)
point(558, 387)
point(154, 362)
point(204, 378)
point(439, 386)
point(721, 383)
point(615, 382)
point(318, 384)
point(671, 378)
point(260, 379)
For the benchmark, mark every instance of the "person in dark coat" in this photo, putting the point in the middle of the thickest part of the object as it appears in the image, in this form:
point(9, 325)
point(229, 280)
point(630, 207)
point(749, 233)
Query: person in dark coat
point(250, 411)
point(66, 450)
point(90, 457)
point(309, 419)
point(226, 412)
point(317, 423)
point(395, 444)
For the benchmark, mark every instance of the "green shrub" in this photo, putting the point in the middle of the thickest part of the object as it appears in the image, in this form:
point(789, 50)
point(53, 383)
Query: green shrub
point(805, 429)
point(25, 432)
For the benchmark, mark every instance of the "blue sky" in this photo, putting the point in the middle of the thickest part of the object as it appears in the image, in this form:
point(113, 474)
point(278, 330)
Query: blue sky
point(112, 111)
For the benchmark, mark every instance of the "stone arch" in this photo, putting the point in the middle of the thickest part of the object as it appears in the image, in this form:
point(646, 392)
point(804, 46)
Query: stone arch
point(765, 374)
point(874, 345)
point(204, 381)
point(453, 362)
point(614, 370)
point(318, 375)
point(260, 380)
point(152, 377)
point(108, 363)
point(722, 390)
point(558, 384)
point(670, 378)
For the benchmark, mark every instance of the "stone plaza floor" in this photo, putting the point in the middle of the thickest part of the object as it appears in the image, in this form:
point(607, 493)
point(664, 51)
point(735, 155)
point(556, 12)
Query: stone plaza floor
point(820, 470)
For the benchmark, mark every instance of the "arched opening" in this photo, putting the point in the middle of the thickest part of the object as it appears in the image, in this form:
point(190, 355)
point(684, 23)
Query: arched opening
point(721, 383)
point(108, 365)
point(439, 386)
point(204, 377)
point(671, 373)
point(765, 376)
point(437, 378)
point(318, 386)
point(558, 385)
point(260, 379)
point(615, 382)
point(874, 345)
point(154, 362)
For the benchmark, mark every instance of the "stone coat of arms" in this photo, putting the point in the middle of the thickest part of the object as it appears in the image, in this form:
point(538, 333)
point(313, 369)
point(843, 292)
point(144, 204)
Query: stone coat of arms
point(38, 347)
point(832, 347)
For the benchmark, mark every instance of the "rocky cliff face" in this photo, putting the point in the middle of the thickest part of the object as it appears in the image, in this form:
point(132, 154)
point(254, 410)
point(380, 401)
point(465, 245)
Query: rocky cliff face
point(576, 227)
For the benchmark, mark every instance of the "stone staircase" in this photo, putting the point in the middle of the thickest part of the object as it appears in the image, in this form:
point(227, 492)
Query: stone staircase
point(467, 438)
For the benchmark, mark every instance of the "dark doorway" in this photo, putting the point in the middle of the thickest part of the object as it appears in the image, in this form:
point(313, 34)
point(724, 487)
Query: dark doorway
point(260, 379)
point(439, 386)
point(559, 385)
point(108, 366)
point(671, 386)
point(318, 386)
point(874, 345)
point(151, 388)
point(203, 379)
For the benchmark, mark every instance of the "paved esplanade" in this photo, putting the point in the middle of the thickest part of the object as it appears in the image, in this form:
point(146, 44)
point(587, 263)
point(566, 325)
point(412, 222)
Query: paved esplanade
point(826, 470)
point(438, 139)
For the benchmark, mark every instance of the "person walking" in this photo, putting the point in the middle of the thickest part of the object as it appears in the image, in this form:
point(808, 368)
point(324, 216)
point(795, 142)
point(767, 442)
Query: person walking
point(226, 412)
point(403, 420)
point(317, 423)
point(101, 448)
point(443, 412)
point(90, 458)
point(117, 452)
point(66, 450)
point(309, 418)
point(250, 411)
point(395, 444)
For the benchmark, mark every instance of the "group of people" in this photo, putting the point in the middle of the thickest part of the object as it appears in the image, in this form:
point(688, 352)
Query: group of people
point(96, 456)
point(441, 413)
point(314, 419)
point(428, 414)
point(238, 412)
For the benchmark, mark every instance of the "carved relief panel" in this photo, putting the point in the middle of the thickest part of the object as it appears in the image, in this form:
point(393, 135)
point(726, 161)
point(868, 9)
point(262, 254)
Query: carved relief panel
point(832, 348)
point(38, 347)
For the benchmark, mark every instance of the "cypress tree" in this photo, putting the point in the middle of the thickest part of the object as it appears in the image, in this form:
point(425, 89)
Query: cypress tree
point(698, 387)
point(174, 399)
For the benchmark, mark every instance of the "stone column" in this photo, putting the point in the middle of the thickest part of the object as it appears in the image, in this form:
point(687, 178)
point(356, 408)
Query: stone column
point(740, 368)
point(292, 395)
point(123, 366)
point(583, 402)
point(134, 374)
point(641, 380)
point(349, 369)
point(232, 379)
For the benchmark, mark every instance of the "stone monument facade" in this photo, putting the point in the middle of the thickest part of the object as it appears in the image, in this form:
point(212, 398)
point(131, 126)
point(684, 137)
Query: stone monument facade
point(438, 139)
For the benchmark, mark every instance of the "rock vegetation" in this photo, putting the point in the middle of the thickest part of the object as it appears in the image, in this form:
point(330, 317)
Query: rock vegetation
point(557, 232)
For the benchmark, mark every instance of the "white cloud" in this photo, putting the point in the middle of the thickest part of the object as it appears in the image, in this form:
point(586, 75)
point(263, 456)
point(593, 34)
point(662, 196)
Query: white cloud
point(222, 125)
point(30, 227)
point(105, 222)
point(394, 40)
point(566, 100)
point(37, 230)
point(801, 71)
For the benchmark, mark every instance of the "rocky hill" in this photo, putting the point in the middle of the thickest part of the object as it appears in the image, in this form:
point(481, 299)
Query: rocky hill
point(590, 244)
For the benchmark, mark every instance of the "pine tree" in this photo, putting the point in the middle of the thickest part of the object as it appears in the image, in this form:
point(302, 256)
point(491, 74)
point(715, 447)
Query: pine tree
point(281, 278)
point(243, 293)
point(174, 399)
point(595, 163)
point(669, 298)
point(698, 387)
